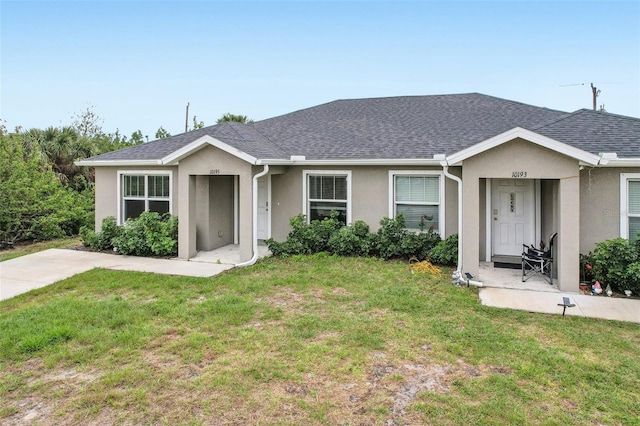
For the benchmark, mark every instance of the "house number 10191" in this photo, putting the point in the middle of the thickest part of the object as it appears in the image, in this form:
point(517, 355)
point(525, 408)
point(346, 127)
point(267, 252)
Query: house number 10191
point(519, 175)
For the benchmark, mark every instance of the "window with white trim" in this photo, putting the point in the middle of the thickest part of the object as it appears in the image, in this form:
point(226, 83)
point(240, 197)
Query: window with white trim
point(630, 205)
point(327, 191)
point(419, 197)
point(142, 192)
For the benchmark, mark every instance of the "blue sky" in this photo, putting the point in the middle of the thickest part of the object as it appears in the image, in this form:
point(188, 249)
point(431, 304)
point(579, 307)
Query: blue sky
point(139, 63)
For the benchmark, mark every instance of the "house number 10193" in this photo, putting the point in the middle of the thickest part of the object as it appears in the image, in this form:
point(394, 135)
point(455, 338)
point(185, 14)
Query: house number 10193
point(519, 175)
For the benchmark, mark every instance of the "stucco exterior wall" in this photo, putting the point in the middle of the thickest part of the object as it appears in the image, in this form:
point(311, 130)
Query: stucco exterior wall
point(538, 163)
point(600, 205)
point(211, 161)
point(370, 196)
point(214, 212)
point(221, 211)
point(106, 198)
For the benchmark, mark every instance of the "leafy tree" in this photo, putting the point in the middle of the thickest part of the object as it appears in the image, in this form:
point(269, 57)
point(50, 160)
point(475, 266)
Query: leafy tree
point(233, 117)
point(162, 133)
point(197, 124)
point(87, 123)
point(137, 138)
point(34, 204)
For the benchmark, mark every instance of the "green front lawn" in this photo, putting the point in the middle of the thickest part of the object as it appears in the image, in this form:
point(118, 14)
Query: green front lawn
point(305, 340)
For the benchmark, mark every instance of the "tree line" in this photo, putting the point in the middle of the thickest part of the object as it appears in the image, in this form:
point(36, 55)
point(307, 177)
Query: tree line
point(43, 194)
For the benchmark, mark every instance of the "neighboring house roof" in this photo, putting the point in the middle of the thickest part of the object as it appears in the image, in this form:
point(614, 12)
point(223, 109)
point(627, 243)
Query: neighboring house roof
point(596, 132)
point(401, 128)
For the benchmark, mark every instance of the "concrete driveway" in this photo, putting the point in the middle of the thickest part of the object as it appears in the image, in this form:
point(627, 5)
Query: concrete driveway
point(40, 269)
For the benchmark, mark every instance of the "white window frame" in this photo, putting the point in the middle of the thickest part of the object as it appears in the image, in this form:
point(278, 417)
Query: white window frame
point(305, 184)
point(624, 202)
point(421, 173)
point(146, 174)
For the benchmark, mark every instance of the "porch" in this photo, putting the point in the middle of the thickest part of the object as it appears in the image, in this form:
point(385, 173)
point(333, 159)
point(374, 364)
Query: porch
point(227, 255)
point(512, 279)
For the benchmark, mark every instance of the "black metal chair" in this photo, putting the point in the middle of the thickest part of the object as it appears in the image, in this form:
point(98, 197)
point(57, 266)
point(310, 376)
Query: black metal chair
point(538, 262)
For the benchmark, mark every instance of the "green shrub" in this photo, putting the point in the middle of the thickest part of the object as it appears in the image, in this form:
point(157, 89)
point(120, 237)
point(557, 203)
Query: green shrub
point(102, 240)
point(391, 240)
point(391, 235)
point(353, 240)
point(446, 252)
point(616, 263)
point(306, 238)
point(149, 235)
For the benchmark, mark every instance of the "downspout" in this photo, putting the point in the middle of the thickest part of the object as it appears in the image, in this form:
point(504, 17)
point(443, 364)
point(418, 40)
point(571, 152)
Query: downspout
point(445, 169)
point(254, 226)
point(457, 277)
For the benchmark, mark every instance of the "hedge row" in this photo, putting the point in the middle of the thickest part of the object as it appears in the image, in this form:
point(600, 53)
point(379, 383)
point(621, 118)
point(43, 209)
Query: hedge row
point(391, 240)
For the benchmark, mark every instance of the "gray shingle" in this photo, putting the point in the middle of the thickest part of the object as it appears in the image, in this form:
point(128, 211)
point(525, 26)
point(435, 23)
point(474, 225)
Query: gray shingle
point(405, 127)
point(596, 132)
point(398, 127)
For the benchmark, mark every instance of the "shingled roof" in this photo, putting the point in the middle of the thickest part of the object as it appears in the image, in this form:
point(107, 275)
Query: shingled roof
point(596, 132)
point(404, 127)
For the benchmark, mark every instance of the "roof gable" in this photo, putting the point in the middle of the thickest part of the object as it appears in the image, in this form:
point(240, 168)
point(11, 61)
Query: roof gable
point(518, 132)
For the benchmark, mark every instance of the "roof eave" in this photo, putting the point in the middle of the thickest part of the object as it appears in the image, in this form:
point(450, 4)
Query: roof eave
point(353, 162)
point(622, 162)
point(117, 163)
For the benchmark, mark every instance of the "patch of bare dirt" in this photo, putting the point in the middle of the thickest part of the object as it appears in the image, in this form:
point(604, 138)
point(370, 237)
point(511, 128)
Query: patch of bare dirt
point(31, 410)
point(40, 409)
point(284, 298)
point(339, 291)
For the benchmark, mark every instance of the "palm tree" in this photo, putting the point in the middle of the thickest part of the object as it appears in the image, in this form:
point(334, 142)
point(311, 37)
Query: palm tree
point(61, 147)
point(233, 117)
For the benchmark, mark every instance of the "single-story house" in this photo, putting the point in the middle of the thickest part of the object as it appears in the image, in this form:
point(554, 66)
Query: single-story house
point(498, 172)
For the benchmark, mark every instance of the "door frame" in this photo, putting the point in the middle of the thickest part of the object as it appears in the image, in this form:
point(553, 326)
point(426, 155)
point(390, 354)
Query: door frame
point(489, 215)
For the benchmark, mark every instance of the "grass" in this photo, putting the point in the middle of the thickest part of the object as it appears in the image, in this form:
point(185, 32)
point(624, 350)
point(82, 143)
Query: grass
point(23, 249)
point(305, 340)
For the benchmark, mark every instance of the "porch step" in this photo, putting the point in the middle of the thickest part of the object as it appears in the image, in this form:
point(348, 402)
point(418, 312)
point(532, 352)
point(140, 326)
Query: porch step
point(507, 259)
point(507, 262)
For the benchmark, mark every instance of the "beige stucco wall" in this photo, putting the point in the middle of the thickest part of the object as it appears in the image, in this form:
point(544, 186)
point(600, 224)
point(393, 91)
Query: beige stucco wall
point(221, 211)
point(214, 212)
point(600, 205)
point(538, 163)
point(106, 198)
point(369, 190)
point(211, 161)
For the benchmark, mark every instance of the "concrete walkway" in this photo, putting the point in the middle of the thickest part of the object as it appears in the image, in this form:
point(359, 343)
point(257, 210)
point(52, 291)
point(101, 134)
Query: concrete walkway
point(603, 307)
point(27, 273)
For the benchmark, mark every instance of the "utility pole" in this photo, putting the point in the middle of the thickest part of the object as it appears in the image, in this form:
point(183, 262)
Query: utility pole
point(186, 118)
point(596, 93)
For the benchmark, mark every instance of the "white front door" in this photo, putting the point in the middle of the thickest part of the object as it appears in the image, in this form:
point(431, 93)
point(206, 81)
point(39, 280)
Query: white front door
point(263, 208)
point(513, 214)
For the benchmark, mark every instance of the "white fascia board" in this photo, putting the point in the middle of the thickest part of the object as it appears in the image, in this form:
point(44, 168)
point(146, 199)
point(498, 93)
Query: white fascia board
point(200, 143)
point(355, 162)
point(622, 162)
point(117, 163)
point(528, 135)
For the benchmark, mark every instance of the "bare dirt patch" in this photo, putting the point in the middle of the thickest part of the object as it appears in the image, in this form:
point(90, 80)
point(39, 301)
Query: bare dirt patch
point(284, 298)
